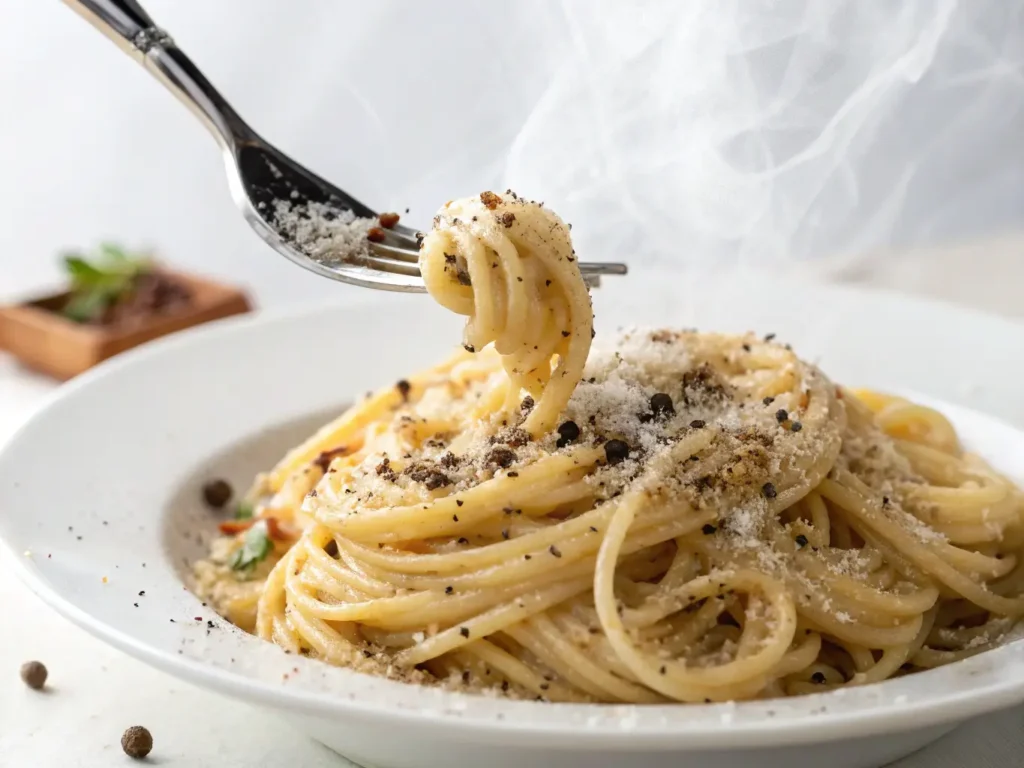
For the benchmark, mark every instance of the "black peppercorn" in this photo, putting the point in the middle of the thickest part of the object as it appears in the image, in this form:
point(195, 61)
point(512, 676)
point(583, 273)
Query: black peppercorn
point(33, 673)
point(217, 493)
point(430, 477)
point(501, 457)
point(616, 451)
point(818, 677)
point(796, 426)
point(697, 424)
point(781, 415)
point(137, 742)
point(568, 431)
point(661, 405)
point(801, 541)
point(769, 491)
point(708, 529)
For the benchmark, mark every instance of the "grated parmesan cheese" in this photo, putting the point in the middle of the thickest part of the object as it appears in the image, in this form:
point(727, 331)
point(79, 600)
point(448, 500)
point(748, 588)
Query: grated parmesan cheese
point(326, 234)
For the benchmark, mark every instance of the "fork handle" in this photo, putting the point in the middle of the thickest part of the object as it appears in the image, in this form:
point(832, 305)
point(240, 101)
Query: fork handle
point(133, 31)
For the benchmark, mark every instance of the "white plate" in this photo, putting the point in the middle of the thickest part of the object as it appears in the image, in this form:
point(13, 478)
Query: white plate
point(101, 490)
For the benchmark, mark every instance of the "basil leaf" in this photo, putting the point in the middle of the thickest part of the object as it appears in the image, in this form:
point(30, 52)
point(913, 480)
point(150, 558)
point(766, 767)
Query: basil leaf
point(255, 547)
point(244, 511)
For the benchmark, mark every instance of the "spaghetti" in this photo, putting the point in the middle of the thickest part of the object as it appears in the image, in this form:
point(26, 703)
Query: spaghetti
point(682, 517)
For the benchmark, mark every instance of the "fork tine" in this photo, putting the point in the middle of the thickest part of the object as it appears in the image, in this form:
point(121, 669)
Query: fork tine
point(603, 268)
point(388, 264)
point(404, 236)
point(379, 258)
point(402, 229)
point(387, 250)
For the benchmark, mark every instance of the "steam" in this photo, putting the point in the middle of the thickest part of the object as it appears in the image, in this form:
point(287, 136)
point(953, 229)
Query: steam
point(777, 133)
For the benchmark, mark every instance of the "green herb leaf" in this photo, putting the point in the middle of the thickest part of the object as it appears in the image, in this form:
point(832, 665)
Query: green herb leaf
point(244, 511)
point(117, 261)
point(81, 271)
point(96, 285)
point(114, 253)
point(255, 547)
point(85, 306)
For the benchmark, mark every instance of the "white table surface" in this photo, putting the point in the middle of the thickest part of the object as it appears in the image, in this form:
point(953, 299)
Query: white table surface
point(95, 692)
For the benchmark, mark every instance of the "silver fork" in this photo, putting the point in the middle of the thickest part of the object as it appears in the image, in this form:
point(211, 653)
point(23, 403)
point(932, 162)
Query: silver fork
point(259, 174)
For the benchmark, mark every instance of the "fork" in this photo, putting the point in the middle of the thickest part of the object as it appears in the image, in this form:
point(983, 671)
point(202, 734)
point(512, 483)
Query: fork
point(262, 178)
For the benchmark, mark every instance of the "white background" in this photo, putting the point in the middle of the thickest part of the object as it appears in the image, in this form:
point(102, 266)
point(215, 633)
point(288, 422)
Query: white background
point(707, 132)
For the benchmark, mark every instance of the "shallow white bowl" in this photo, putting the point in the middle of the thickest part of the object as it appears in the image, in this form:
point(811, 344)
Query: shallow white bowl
point(99, 499)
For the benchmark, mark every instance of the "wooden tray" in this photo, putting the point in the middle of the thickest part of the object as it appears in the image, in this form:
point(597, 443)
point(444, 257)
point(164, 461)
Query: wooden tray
point(46, 341)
